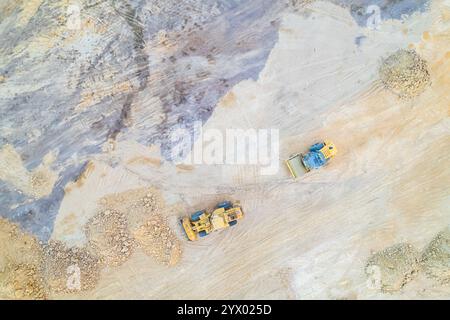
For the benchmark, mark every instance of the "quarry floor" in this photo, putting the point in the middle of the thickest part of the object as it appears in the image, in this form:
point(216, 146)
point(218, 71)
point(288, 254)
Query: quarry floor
point(308, 238)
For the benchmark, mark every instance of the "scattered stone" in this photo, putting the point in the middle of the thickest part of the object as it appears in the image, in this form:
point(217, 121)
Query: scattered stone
point(393, 267)
point(157, 240)
point(20, 264)
point(23, 281)
point(109, 238)
point(136, 204)
point(405, 73)
point(144, 210)
point(69, 269)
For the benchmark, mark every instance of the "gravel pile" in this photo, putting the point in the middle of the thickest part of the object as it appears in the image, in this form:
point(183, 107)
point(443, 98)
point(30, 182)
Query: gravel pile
point(405, 73)
point(137, 204)
point(23, 281)
point(69, 269)
point(145, 209)
point(20, 264)
point(157, 240)
point(395, 266)
point(109, 238)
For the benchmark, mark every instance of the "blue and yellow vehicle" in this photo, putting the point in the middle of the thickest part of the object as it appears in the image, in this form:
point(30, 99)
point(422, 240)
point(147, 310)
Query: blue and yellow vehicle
point(319, 154)
point(202, 223)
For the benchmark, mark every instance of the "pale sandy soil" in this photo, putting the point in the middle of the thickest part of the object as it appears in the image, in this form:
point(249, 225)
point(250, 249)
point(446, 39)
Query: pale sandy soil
point(304, 239)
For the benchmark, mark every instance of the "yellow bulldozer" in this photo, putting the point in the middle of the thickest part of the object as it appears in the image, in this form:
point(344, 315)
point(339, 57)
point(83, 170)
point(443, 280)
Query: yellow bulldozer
point(202, 223)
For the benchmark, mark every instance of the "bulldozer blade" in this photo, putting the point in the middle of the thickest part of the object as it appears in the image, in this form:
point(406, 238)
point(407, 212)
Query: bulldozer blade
point(190, 233)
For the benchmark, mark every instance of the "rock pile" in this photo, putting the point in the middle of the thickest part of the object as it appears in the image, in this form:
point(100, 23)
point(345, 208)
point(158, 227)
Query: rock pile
point(405, 73)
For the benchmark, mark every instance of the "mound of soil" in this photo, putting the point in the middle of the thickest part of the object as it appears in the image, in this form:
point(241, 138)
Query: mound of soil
point(405, 73)
point(69, 269)
point(395, 266)
point(144, 210)
point(20, 264)
point(157, 240)
point(23, 281)
point(109, 238)
point(435, 259)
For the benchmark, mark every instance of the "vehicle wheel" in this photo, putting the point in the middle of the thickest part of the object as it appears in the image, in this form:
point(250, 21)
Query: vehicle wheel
point(196, 216)
point(226, 205)
point(202, 233)
point(232, 223)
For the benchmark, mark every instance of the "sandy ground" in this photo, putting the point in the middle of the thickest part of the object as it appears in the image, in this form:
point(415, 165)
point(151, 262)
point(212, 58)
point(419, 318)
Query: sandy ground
point(310, 238)
point(305, 239)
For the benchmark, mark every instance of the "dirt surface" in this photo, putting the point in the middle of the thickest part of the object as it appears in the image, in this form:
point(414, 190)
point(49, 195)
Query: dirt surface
point(23, 281)
point(20, 264)
point(30, 269)
point(157, 240)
